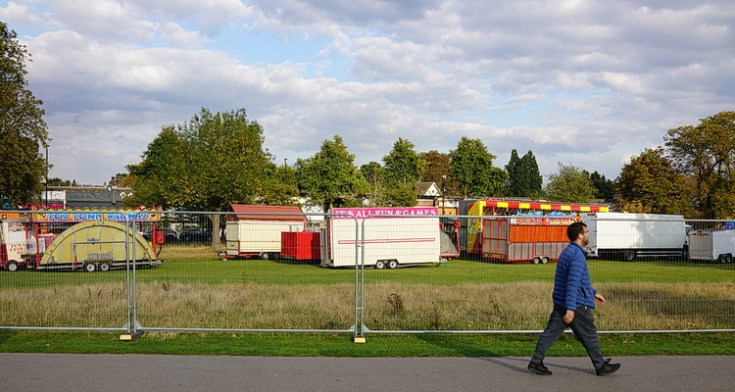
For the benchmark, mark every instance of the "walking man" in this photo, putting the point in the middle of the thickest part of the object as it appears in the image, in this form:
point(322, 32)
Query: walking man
point(574, 299)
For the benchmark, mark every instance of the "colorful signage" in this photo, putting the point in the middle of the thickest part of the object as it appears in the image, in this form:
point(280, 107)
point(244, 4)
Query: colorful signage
point(384, 212)
point(73, 216)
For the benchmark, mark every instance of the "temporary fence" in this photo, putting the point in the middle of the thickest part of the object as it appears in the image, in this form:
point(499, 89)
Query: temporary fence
point(353, 271)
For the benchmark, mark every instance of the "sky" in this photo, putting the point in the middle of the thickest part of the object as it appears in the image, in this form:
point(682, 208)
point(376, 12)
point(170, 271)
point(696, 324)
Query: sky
point(583, 83)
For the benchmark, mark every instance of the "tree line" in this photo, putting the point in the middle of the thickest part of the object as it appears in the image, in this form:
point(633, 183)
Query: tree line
point(216, 159)
point(219, 158)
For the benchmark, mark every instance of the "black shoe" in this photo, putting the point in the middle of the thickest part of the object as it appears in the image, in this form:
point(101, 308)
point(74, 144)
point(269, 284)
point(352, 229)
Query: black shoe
point(607, 368)
point(539, 368)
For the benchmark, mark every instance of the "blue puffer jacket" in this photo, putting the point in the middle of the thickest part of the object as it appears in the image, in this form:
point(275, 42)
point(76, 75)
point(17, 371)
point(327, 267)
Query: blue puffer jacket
point(572, 284)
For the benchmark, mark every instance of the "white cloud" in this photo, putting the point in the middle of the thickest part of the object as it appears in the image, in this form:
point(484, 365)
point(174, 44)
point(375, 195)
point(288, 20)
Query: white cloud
point(591, 82)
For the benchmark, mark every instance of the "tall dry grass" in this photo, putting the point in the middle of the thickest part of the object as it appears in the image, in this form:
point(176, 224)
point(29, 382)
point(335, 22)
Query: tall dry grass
point(388, 306)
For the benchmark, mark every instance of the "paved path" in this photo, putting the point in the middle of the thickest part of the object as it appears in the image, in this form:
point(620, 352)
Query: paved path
point(163, 373)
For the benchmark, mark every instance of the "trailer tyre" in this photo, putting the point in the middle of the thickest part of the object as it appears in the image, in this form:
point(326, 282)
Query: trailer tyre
point(536, 260)
point(392, 264)
point(629, 255)
point(544, 260)
point(90, 267)
point(12, 266)
point(380, 264)
point(725, 258)
point(104, 267)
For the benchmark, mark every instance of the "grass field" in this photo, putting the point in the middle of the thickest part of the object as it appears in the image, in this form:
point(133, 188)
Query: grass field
point(339, 345)
point(194, 289)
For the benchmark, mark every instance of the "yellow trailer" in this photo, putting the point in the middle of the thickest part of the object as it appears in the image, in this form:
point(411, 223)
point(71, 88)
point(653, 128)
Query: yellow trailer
point(97, 245)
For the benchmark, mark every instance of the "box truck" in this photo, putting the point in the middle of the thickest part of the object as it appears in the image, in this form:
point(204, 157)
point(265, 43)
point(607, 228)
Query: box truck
point(627, 236)
point(393, 237)
point(712, 245)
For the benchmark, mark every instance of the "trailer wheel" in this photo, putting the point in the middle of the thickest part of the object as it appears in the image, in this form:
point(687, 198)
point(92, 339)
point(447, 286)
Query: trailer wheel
point(12, 266)
point(380, 264)
point(629, 255)
point(725, 258)
point(392, 264)
point(536, 260)
point(544, 260)
point(104, 266)
point(90, 267)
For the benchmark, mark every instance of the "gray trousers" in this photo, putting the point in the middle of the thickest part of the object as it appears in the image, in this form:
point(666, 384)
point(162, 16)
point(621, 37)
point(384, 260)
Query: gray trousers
point(584, 330)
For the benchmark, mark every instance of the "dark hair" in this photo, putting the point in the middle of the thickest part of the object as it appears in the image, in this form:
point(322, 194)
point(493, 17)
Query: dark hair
point(574, 230)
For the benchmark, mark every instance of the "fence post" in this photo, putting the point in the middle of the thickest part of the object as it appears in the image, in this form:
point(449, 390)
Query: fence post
point(132, 326)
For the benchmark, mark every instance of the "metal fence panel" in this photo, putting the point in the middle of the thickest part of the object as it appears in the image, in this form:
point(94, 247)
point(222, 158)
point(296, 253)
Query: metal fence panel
point(245, 283)
point(383, 271)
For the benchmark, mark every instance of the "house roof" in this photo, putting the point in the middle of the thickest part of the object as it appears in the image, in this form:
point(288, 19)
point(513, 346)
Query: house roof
point(268, 213)
point(427, 189)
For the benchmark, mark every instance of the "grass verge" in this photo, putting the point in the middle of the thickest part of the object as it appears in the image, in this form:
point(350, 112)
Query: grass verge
point(340, 345)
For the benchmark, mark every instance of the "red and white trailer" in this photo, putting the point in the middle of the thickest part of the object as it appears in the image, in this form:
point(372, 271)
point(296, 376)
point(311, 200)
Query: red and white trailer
point(255, 230)
point(14, 241)
point(393, 237)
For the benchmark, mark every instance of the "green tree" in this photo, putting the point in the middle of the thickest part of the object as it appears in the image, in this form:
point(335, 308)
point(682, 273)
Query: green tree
point(156, 177)
point(524, 177)
point(435, 167)
point(330, 177)
point(204, 165)
point(571, 184)
point(531, 181)
point(372, 172)
point(282, 188)
point(402, 165)
point(604, 188)
point(401, 171)
point(707, 153)
point(56, 181)
point(472, 168)
point(650, 184)
point(513, 168)
point(23, 131)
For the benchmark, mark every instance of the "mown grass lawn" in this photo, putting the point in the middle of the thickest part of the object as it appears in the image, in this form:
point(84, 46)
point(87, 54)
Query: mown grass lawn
point(200, 286)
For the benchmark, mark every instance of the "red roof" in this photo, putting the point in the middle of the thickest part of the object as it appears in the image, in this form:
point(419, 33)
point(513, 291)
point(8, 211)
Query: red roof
point(267, 213)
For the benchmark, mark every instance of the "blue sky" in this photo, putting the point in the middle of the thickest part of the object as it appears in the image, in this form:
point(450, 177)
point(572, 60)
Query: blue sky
point(587, 83)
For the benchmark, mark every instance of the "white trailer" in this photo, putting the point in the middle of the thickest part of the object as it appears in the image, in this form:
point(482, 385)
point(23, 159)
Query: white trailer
point(255, 231)
point(712, 245)
point(393, 237)
point(632, 236)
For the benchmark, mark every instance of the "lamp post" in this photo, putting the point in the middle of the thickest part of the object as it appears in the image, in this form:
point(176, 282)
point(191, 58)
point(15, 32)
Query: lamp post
point(46, 186)
point(444, 191)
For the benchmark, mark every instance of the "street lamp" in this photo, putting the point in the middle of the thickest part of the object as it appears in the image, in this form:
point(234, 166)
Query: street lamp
point(46, 176)
point(444, 191)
